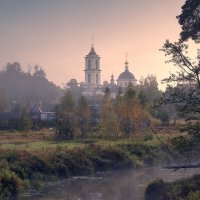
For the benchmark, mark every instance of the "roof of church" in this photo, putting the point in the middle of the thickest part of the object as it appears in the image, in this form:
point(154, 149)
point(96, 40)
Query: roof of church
point(126, 75)
point(92, 52)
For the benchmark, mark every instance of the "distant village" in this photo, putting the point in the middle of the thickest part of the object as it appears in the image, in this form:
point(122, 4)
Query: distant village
point(41, 110)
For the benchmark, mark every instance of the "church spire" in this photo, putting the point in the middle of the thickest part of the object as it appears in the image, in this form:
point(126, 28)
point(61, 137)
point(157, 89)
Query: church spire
point(126, 63)
point(92, 50)
point(92, 46)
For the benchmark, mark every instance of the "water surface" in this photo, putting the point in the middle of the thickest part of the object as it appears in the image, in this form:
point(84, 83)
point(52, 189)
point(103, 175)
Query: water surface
point(118, 185)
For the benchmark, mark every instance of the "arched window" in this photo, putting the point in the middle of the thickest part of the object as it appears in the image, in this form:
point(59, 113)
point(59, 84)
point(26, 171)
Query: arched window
point(89, 78)
point(89, 64)
point(97, 64)
point(97, 78)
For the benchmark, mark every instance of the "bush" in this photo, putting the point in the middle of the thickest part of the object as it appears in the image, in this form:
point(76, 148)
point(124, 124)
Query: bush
point(10, 184)
point(157, 190)
point(194, 195)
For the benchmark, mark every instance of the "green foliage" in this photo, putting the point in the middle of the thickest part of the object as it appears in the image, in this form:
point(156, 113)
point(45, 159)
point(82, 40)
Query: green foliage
point(18, 168)
point(148, 137)
point(194, 195)
point(146, 154)
point(24, 123)
point(184, 96)
point(66, 117)
point(10, 184)
point(20, 120)
point(163, 114)
point(83, 116)
point(183, 188)
point(108, 117)
point(188, 189)
point(182, 144)
point(190, 20)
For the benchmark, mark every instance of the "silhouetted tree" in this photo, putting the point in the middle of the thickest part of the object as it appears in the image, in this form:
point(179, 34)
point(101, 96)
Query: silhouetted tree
point(190, 20)
point(3, 102)
point(24, 88)
point(74, 88)
point(149, 87)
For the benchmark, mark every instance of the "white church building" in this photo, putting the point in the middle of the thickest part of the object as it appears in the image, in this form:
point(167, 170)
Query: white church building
point(92, 85)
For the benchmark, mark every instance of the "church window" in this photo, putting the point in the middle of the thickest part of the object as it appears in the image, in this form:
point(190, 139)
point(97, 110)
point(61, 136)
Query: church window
point(89, 78)
point(89, 64)
point(97, 78)
point(97, 64)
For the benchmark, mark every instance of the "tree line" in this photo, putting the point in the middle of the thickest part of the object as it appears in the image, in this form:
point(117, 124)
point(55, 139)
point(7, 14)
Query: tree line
point(22, 87)
point(131, 110)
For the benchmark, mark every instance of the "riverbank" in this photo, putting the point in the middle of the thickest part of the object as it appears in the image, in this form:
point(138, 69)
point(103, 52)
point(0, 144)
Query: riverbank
point(21, 169)
point(183, 189)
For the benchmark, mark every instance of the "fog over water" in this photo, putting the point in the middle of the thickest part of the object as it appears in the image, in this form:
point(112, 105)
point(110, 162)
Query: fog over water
point(118, 185)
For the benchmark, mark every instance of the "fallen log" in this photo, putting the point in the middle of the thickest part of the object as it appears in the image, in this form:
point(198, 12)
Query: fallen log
point(177, 167)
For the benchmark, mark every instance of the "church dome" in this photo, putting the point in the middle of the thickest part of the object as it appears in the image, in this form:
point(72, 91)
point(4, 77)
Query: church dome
point(126, 75)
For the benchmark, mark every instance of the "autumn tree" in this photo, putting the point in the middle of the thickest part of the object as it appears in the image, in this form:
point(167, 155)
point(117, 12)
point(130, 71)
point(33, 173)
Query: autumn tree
point(131, 115)
point(83, 116)
point(108, 117)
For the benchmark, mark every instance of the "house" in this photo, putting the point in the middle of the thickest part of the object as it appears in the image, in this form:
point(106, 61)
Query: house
point(37, 114)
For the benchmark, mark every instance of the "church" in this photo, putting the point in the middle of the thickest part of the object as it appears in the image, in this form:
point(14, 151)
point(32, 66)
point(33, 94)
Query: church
point(93, 86)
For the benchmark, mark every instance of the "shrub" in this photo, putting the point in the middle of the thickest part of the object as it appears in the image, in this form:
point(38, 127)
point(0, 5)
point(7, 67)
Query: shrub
point(157, 190)
point(10, 184)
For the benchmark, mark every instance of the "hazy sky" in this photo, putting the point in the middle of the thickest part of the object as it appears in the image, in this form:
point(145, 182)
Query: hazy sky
point(56, 34)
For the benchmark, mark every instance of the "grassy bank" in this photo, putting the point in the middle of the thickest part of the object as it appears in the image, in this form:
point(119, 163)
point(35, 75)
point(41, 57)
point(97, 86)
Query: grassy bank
point(20, 169)
point(184, 189)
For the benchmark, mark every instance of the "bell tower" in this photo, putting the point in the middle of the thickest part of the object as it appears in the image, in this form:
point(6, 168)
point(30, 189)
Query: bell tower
point(92, 68)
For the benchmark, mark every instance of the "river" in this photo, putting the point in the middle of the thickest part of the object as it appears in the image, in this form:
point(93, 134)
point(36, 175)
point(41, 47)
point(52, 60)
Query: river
point(118, 185)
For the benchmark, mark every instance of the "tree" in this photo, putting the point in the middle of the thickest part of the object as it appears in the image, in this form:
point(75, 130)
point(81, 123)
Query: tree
point(25, 88)
point(83, 116)
point(24, 123)
point(142, 98)
point(39, 72)
point(149, 87)
point(13, 68)
point(184, 86)
point(2, 101)
point(190, 20)
point(66, 117)
point(189, 71)
point(108, 117)
point(74, 88)
point(185, 95)
point(131, 115)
